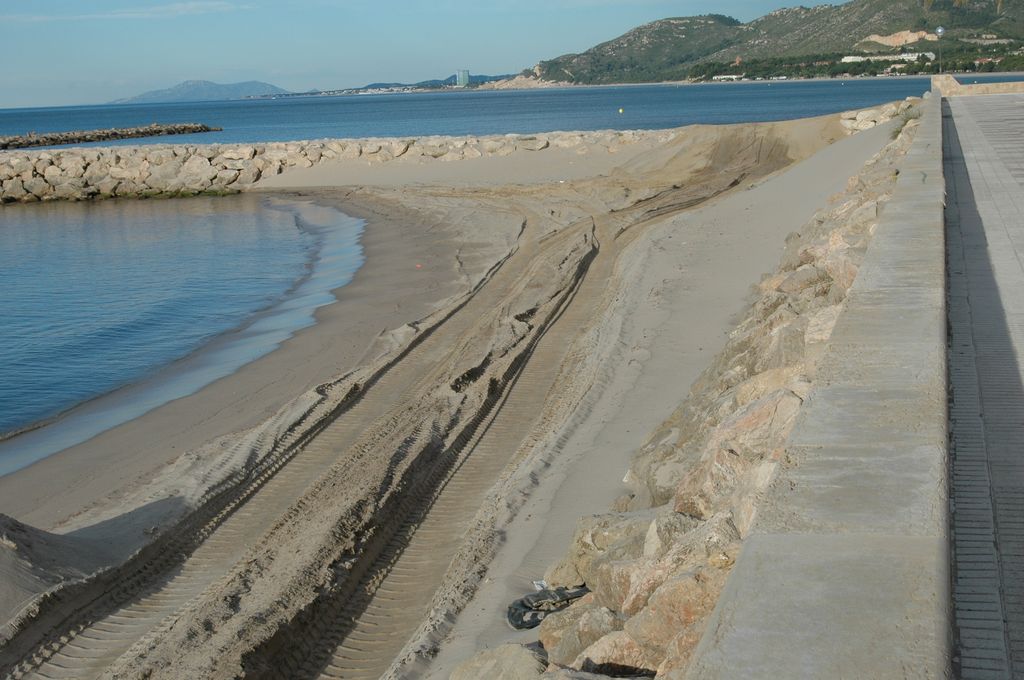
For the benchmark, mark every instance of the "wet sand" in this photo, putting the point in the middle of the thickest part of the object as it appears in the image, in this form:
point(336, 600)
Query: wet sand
point(387, 292)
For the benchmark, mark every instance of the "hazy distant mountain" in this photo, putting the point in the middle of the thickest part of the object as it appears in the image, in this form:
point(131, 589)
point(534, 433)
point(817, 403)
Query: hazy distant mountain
point(203, 91)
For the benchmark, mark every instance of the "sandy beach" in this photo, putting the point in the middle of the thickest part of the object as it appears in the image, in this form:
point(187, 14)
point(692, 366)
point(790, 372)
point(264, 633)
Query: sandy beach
point(367, 499)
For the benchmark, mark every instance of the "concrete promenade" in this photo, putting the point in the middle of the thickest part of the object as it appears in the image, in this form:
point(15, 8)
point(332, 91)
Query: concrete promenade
point(846, 572)
point(984, 159)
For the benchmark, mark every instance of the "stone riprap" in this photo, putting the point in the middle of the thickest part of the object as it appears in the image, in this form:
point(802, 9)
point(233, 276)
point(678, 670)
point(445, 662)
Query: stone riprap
point(865, 119)
point(106, 135)
point(846, 569)
point(184, 169)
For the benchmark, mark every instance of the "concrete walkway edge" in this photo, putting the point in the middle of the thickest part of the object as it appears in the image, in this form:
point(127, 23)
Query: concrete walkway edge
point(846, 571)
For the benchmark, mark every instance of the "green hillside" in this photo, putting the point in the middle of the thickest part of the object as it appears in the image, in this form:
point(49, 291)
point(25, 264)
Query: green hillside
point(668, 49)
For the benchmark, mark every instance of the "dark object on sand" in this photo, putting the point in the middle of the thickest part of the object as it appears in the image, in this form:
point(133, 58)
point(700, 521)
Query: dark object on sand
point(527, 612)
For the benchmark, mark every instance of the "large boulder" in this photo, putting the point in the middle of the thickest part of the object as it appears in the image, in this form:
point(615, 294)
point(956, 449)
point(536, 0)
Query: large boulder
point(784, 345)
point(532, 143)
point(13, 190)
point(610, 536)
point(821, 323)
point(163, 175)
point(615, 654)
point(197, 173)
point(239, 153)
point(21, 165)
point(507, 662)
point(586, 625)
point(751, 434)
point(72, 165)
point(806, 276)
point(248, 173)
point(97, 172)
point(38, 187)
point(73, 188)
point(676, 608)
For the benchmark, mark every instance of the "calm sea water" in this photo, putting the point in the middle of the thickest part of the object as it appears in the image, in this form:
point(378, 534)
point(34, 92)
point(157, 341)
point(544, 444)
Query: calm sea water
point(972, 78)
point(97, 296)
point(474, 112)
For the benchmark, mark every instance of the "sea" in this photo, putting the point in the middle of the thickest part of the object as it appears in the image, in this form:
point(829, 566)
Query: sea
point(113, 308)
point(474, 112)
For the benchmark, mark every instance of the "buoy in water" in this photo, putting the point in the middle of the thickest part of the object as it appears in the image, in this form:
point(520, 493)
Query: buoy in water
point(621, 111)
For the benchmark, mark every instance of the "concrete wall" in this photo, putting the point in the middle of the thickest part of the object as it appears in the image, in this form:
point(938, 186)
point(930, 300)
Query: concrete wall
point(845, 573)
point(948, 86)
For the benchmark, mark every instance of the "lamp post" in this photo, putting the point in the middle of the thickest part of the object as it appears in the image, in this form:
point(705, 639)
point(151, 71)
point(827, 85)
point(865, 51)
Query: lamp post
point(940, 31)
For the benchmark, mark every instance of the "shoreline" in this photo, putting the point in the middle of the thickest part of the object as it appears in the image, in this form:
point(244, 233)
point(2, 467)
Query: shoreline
point(30, 494)
point(219, 356)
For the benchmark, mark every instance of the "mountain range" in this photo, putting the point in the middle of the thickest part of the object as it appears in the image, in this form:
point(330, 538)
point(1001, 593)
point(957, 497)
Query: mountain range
point(202, 91)
point(668, 49)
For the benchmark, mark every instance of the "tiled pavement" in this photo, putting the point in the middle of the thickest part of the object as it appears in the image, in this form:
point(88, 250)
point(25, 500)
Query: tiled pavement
point(984, 164)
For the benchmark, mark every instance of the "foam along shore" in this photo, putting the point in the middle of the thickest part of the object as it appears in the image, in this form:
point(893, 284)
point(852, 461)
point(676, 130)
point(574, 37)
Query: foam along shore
point(414, 391)
point(185, 170)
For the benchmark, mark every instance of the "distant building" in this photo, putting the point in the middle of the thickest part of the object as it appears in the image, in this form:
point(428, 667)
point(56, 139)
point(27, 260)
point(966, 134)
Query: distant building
point(462, 78)
point(906, 56)
point(727, 78)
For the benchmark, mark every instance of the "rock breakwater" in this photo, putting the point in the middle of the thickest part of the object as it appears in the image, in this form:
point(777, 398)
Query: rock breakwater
point(865, 119)
point(165, 170)
point(86, 136)
point(657, 562)
point(168, 170)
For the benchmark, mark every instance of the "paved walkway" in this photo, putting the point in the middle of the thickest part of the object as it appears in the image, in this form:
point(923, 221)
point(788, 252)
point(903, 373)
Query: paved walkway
point(984, 162)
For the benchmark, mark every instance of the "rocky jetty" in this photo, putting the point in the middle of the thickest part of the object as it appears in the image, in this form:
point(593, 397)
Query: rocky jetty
point(86, 136)
point(167, 170)
point(658, 561)
point(865, 119)
point(185, 170)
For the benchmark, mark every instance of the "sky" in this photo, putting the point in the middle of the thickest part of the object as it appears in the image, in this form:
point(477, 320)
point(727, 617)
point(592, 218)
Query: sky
point(66, 52)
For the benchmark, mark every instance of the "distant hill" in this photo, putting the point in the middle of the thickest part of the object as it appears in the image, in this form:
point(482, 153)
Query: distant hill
point(667, 49)
point(203, 90)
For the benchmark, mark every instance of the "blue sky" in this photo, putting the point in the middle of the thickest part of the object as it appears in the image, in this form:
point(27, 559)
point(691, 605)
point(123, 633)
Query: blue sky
point(61, 52)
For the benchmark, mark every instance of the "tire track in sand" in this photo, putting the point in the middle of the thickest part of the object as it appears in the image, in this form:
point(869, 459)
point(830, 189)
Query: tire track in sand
point(160, 588)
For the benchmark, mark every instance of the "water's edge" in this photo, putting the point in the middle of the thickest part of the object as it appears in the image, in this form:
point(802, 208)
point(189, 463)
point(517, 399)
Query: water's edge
point(337, 257)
